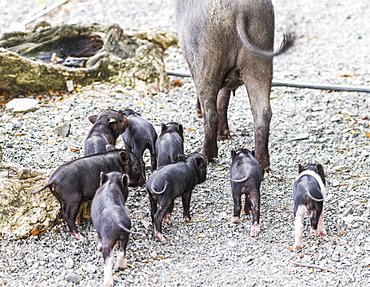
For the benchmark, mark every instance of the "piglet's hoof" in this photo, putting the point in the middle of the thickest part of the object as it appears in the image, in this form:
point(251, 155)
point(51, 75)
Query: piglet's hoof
point(297, 247)
point(235, 220)
point(160, 237)
point(166, 218)
point(187, 218)
point(255, 230)
point(78, 236)
point(121, 266)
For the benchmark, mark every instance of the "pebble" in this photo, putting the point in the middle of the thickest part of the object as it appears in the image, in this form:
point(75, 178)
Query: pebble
point(332, 47)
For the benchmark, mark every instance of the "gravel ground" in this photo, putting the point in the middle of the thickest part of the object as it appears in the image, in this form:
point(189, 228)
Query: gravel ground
point(308, 126)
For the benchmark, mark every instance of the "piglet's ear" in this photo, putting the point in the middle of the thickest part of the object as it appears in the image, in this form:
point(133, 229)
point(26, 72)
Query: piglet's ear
point(103, 178)
point(125, 180)
point(233, 153)
point(112, 123)
point(181, 157)
point(125, 157)
point(163, 127)
point(300, 168)
point(199, 162)
point(320, 170)
point(181, 128)
point(93, 118)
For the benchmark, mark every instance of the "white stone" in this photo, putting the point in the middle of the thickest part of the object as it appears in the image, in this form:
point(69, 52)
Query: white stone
point(22, 105)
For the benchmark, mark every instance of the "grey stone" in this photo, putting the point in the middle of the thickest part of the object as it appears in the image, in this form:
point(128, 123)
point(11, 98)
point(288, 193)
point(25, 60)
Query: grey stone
point(63, 129)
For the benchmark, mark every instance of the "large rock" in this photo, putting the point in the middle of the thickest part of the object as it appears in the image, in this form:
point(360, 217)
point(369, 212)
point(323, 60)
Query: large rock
point(23, 213)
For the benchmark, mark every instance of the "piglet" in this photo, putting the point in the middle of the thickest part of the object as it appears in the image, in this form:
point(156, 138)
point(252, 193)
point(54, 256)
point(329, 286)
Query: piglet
point(170, 143)
point(171, 181)
point(309, 196)
point(111, 220)
point(245, 178)
point(107, 126)
point(139, 136)
point(77, 181)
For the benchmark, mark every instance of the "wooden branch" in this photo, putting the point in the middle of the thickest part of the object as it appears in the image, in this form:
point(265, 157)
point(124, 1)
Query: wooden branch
point(364, 89)
point(314, 266)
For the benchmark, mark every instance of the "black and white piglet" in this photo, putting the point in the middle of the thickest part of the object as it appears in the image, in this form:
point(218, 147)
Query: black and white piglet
point(309, 195)
point(107, 126)
point(170, 143)
point(245, 178)
point(139, 136)
point(171, 181)
point(111, 220)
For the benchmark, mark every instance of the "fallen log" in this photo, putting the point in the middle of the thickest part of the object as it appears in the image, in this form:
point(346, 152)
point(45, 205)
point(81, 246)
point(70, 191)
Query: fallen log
point(41, 60)
point(364, 89)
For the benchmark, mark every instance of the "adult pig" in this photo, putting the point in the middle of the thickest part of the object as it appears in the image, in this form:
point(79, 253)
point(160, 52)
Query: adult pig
point(77, 181)
point(107, 126)
point(111, 220)
point(228, 43)
point(245, 178)
point(171, 181)
point(170, 143)
point(139, 136)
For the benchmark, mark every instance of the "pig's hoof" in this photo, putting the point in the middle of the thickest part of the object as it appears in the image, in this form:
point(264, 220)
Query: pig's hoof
point(166, 218)
point(255, 230)
point(78, 236)
point(223, 135)
point(99, 247)
point(187, 218)
point(313, 232)
point(323, 233)
point(297, 247)
point(199, 113)
point(235, 220)
point(160, 237)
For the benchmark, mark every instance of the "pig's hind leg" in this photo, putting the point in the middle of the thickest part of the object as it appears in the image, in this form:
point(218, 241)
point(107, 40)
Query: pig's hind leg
point(167, 217)
point(69, 212)
point(153, 156)
point(254, 198)
point(107, 250)
point(121, 252)
point(317, 223)
point(247, 205)
point(186, 197)
point(153, 206)
point(164, 204)
point(257, 79)
point(237, 198)
point(223, 97)
point(300, 213)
